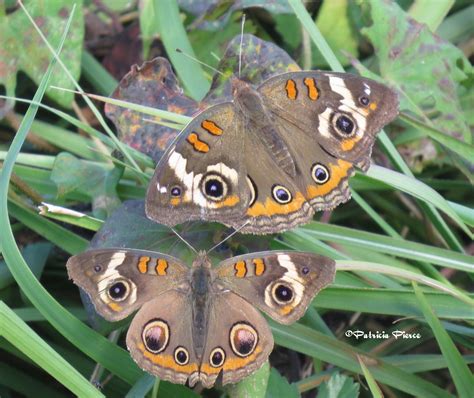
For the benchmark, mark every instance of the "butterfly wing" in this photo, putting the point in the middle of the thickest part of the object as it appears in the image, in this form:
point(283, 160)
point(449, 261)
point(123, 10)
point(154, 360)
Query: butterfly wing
point(239, 340)
point(280, 283)
point(329, 122)
point(202, 175)
point(160, 338)
point(119, 281)
point(315, 103)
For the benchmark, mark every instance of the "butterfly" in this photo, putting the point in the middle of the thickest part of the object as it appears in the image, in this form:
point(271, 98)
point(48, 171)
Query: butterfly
point(199, 324)
point(272, 155)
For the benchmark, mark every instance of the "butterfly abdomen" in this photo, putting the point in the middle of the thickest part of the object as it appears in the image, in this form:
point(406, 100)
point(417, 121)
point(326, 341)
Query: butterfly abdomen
point(200, 283)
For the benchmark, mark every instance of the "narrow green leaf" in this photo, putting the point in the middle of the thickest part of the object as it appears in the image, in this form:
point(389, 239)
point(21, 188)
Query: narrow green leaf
point(90, 342)
point(463, 149)
point(462, 376)
point(425, 12)
point(395, 302)
point(26, 340)
point(174, 37)
point(374, 388)
point(96, 74)
point(415, 363)
point(25, 383)
point(384, 244)
point(60, 236)
point(331, 350)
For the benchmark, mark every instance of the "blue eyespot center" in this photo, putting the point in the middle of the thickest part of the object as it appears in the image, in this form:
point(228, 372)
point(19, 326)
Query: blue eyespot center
point(281, 194)
point(344, 124)
point(320, 173)
point(176, 191)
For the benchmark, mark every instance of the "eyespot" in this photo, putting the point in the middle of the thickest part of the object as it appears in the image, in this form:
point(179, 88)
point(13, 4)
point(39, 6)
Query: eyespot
point(181, 356)
point(175, 191)
point(243, 339)
point(156, 335)
point(281, 194)
point(97, 268)
point(214, 187)
point(118, 291)
point(319, 173)
point(217, 357)
point(305, 270)
point(343, 124)
point(282, 293)
point(364, 101)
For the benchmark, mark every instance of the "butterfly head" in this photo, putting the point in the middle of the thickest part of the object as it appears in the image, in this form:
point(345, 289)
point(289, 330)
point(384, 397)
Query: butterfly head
point(202, 260)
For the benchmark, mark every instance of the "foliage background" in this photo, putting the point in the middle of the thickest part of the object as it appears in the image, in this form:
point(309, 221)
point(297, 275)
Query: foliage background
point(403, 245)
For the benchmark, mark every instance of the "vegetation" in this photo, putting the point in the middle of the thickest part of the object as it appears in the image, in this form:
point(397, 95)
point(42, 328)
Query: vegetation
point(403, 244)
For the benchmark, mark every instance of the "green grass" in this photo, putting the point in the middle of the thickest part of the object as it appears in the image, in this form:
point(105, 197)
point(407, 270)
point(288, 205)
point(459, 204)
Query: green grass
point(401, 245)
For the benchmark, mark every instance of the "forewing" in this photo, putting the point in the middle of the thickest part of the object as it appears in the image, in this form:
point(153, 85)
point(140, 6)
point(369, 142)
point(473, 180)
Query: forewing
point(119, 281)
point(202, 175)
point(280, 283)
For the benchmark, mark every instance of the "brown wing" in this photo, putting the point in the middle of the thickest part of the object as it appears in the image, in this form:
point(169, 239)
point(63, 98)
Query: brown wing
point(239, 340)
point(202, 175)
point(160, 338)
point(341, 112)
point(282, 284)
point(119, 281)
point(329, 122)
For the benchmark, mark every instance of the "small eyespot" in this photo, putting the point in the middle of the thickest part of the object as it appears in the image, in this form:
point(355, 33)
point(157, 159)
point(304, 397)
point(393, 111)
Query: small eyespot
point(364, 101)
point(319, 173)
point(305, 270)
point(214, 187)
point(282, 294)
point(217, 357)
point(175, 191)
point(281, 194)
point(156, 335)
point(118, 291)
point(181, 356)
point(97, 268)
point(243, 339)
point(344, 124)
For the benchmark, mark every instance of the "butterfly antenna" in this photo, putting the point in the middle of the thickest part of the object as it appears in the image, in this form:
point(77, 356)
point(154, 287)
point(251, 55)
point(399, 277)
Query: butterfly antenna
point(241, 43)
point(178, 50)
point(184, 240)
point(228, 237)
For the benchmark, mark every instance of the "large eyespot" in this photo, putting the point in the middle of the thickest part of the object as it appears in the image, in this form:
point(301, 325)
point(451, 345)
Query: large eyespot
point(214, 187)
point(217, 357)
point(181, 356)
point(364, 101)
point(343, 124)
point(282, 293)
point(175, 191)
point(119, 290)
point(319, 173)
point(281, 194)
point(243, 339)
point(156, 335)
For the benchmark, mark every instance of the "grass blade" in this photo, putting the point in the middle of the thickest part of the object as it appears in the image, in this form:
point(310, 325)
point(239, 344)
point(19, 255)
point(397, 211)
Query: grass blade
point(27, 341)
point(462, 376)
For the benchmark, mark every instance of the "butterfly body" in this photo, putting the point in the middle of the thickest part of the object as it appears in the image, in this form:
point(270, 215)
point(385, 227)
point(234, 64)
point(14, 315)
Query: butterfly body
point(200, 323)
point(274, 154)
